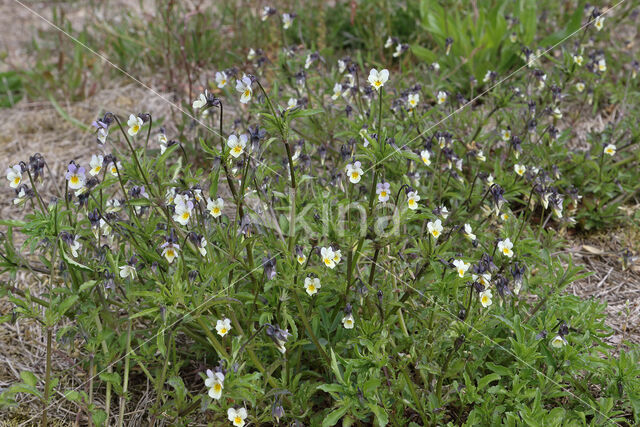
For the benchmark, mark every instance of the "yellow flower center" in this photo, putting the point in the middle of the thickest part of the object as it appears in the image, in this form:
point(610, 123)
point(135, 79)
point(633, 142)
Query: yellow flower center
point(247, 93)
point(170, 253)
point(300, 259)
point(74, 179)
point(185, 215)
point(461, 271)
point(355, 175)
point(383, 194)
point(237, 149)
point(435, 233)
point(223, 331)
point(327, 261)
point(312, 288)
point(237, 420)
point(217, 387)
point(223, 82)
point(506, 251)
point(97, 169)
point(135, 128)
point(377, 83)
point(16, 180)
point(485, 299)
point(412, 202)
point(215, 211)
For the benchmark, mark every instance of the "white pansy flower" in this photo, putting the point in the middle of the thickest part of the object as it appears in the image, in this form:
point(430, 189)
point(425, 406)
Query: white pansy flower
point(215, 383)
point(441, 97)
point(311, 285)
point(519, 169)
point(135, 124)
point(461, 266)
point(505, 247)
point(327, 255)
point(237, 145)
point(348, 322)
point(610, 149)
point(435, 228)
point(237, 416)
point(485, 298)
point(354, 172)
point(243, 86)
point(412, 199)
point(221, 79)
point(14, 176)
point(412, 100)
point(377, 79)
point(223, 326)
point(215, 207)
point(95, 164)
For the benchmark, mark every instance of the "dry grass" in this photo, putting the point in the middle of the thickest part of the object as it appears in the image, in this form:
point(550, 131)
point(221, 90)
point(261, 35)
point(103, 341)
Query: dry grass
point(610, 282)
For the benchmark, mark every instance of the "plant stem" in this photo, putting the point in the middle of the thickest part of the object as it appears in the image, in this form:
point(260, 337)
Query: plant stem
point(307, 326)
point(47, 378)
point(125, 384)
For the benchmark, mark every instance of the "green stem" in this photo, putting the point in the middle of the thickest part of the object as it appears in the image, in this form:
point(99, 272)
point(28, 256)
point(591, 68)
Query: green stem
point(47, 378)
point(307, 326)
point(125, 384)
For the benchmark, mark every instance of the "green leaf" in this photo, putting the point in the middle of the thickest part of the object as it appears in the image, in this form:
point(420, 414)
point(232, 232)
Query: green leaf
point(67, 303)
point(380, 413)
point(29, 378)
point(334, 417)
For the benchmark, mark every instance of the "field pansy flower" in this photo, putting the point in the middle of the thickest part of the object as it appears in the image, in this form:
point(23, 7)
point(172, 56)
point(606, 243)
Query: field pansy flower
point(311, 285)
point(377, 79)
point(127, 271)
point(96, 164)
point(215, 383)
point(610, 149)
point(14, 176)
point(461, 266)
point(170, 251)
point(75, 176)
point(505, 247)
point(287, 20)
point(558, 341)
point(215, 207)
point(485, 298)
point(435, 228)
point(221, 79)
point(237, 416)
point(293, 103)
point(412, 100)
point(578, 60)
point(327, 255)
point(468, 232)
point(348, 322)
point(580, 87)
point(243, 86)
point(223, 326)
point(337, 91)
point(354, 172)
point(602, 65)
point(441, 97)
point(519, 169)
point(425, 155)
point(382, 190)
point(135, 124)
point(183, 211)
point(237, 145)
point(412, 199)
point(599, 24)
point(506, 134)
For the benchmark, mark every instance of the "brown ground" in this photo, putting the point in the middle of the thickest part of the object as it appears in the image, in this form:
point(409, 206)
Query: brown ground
point(33, 127)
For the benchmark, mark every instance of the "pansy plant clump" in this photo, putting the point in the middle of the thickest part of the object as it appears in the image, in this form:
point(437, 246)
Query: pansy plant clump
point(335, 240)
